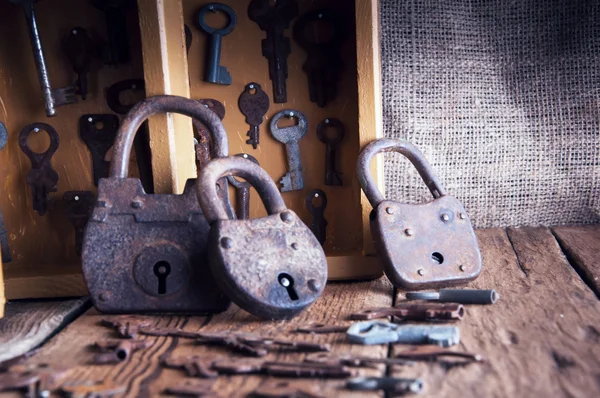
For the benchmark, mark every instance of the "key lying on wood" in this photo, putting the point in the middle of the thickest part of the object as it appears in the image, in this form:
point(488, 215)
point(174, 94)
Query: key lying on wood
point(413, 312)
point(127, 326)
point(462, 296)
point(428, 353)
point(353, 361)
point(193, 365)
point(282, 369)
point(320, 328)
point(390, 385)
point(379, 332)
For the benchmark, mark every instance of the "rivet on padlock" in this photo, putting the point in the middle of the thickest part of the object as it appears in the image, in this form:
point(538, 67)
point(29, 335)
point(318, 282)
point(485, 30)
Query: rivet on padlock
point(148, 252)
point(272, 267)
point(423, 245)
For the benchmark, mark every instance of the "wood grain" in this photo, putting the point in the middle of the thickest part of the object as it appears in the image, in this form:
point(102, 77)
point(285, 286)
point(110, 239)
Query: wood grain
point(581, 244)
point(540, 339)
point(144, 377)
point(166, 72)
point(28, 324)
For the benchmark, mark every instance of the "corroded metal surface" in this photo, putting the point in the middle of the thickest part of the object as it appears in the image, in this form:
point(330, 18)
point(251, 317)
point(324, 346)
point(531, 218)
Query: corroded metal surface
point(421, 245)
point(273, 267)
point(147, 253)
point(413, 312)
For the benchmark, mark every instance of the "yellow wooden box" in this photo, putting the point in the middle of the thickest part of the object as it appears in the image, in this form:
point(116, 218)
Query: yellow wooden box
point(44, 260)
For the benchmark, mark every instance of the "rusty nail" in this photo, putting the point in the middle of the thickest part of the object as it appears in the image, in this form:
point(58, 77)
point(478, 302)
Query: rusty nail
point(421, 272)
point(389, 210)
point(286, 216)
point(226, 243)
point(409, 232)
point(136, 204)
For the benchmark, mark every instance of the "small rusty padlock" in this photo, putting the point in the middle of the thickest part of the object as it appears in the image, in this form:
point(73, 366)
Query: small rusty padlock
point(421, 245)
point(148, 252)
point(272, 267)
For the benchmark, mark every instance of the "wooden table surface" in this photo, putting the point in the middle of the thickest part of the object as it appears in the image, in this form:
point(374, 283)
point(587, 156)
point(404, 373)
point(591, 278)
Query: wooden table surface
point(542, 338)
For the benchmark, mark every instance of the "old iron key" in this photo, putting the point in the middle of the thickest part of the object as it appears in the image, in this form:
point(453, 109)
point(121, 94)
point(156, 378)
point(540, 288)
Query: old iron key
point(203, 144)
point(332, 176)
point(290, 136)
point(99, 133)
point(52, 97)
point(319, 224)
point(254, 104)
point(214, 71)
point(42, 178)
point(79, 49)
point(78, 208)
point(274, 20)
point(242, 191)
point(323, 63)
point(118, 51)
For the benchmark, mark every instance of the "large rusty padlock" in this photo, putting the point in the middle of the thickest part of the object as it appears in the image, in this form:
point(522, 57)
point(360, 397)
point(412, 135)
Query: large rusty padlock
point(272, 267)
point(148, 252)
point(424, 245)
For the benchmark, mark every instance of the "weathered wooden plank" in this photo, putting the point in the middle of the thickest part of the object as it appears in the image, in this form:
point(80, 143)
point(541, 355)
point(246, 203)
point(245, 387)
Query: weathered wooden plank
point(143, 375)
point(541, 338)
point(27, 324)
point(581, 244)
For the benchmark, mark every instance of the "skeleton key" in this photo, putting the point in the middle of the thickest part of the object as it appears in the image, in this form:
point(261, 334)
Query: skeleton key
point(319, 224)
point(290, 136)
point(214, 72)
point(78, 207)
point(323, 63)
point(79, 49)
point(99, 133)
point(274, 20)
point(203, 144)
point(242, 191)
point(116, 29)
point(52, 97)
point(332, 177)
point(42, 178)
point(254, 103)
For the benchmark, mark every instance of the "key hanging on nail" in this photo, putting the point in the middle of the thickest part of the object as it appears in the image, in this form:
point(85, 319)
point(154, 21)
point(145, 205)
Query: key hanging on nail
point(332, 176)
point(215, 72)
point(254, 104)
point(242, 191)
point(319, 224)
point(79, 49)
point(42, 178)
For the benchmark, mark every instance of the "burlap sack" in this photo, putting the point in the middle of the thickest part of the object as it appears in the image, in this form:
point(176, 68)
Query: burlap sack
point(503, 98)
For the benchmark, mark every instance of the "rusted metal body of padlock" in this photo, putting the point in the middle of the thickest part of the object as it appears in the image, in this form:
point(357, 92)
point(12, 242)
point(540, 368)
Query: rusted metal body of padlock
point(272, 267)
point(148, 252)
point(421, 246)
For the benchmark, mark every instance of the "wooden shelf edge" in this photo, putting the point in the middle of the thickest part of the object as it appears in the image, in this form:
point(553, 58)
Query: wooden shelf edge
point(69, 284)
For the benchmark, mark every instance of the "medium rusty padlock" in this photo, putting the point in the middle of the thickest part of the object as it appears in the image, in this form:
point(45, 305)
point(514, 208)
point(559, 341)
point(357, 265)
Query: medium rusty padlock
point(423, 245)
point(272, 267)
point(148, 252)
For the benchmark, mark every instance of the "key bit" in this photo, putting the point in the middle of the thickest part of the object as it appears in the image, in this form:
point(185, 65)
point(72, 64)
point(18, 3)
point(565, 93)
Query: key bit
point(275, 20)
point(290, 136)
point(242, 191)
point(254, 104)
point(332, 176)
point(98, 132)
point(80, 51)
point(42, 178)
point(390, 385)
point(78, 208)
point(323, 63)
point(214, 71)
point(115, 351)
point(318, 224)
point(380, 332)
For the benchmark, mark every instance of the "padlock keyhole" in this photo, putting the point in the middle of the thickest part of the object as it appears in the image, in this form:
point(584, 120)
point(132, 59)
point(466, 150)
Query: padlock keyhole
point(162, 269)
point(437, 257)
point(287, 281)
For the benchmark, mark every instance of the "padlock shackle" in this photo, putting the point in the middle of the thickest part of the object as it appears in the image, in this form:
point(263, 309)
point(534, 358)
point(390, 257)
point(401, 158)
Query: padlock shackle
point(119, 167)
point(405, 148)
point(212, 206)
